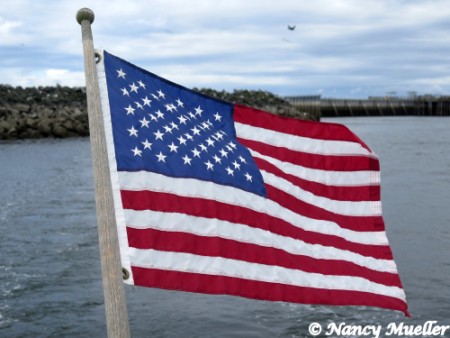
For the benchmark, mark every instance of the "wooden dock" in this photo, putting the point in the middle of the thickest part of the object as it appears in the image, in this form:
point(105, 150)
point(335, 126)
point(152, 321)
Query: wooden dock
point(389, 106)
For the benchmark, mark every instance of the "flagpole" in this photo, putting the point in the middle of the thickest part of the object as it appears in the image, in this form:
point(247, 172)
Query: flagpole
point(114, 293)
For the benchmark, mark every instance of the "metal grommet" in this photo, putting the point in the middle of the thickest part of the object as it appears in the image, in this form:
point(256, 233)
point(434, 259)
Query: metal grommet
point(98, 57)
point(125, 274)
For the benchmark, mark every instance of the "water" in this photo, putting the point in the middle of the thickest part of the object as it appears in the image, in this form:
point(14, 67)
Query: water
point(50, 279)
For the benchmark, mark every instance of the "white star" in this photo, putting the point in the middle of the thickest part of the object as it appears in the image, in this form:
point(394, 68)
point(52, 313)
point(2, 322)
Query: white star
point(182, 119)
point(205, 126)
point(141, 84)
point(232, 145)
point(195, 131)
point(189, 136)
point(187, 159)
point(158, 135)
point(236, 165)
point(229, 171)
point(137, 152)
point(173, 147)
point(121, 73)
point(161, 157)
point(248, 177)
point(223, 153)
point(217, 159)
point(159, 114)
point(192, 115)
point(134, 88)
point(180, 104)
point(203, 147)
point(125, 92)
point(146, 101)
point(198, 111)
point(133, 132)
point(147, 145)
point(168, 129)
point(210, 142)
point(196, 153)
point(139, 105)
point(170, 107)
point(218, 117)
point(155, 97)
point(242, 159)
point(161, 94)
point(209, 165)
point(130, 110)
point(153, 117)
point(144, 123)
point(174, 126)
point(218, 136)
point(182, 140)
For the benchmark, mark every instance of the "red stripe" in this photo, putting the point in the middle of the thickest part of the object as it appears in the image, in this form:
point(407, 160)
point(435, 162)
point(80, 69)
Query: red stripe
point(210, 284)
point(148, 200)
point(311, 129)
point(232, 249)
point(339, 193)
point(357, 223)
point(314, 161)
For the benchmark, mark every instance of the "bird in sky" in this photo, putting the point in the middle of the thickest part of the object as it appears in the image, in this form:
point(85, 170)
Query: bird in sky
point(291, 28)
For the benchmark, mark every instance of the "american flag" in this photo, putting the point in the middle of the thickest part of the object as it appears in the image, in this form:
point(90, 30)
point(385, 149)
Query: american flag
point(218, 198)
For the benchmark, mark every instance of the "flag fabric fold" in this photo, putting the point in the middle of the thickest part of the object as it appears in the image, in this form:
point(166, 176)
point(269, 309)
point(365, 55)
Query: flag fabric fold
point(218, 198)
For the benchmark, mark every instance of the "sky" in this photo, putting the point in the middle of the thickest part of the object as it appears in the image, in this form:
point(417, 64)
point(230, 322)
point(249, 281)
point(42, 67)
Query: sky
point(338, 49)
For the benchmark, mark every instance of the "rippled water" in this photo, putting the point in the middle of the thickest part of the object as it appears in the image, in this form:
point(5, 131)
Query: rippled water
point(50, 282)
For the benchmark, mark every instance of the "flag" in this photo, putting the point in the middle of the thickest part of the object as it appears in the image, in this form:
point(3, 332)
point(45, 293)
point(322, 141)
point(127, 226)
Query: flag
point(218, 198)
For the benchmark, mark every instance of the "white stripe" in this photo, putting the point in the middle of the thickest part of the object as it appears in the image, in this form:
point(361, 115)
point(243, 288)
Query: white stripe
point(349, 208)
point(188, 187)
point(202, 226)
point(299, 143)
point(328, 177)
point(219, 266)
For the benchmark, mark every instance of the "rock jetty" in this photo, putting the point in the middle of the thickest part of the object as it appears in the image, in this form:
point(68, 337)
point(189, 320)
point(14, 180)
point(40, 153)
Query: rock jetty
point(262, 100)
point(60, 112)
point(42, 112)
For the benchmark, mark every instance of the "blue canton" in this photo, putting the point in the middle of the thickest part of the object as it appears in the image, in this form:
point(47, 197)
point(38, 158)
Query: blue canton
point(161, 127)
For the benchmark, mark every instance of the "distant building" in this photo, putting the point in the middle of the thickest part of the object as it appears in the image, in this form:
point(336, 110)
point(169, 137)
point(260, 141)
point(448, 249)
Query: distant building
point(303, 98)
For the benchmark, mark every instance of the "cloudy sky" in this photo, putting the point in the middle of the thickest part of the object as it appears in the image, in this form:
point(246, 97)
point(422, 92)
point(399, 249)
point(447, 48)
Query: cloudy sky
point(339, 48)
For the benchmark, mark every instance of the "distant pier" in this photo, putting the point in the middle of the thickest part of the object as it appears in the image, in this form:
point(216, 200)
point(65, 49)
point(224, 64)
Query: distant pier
point(375, 106)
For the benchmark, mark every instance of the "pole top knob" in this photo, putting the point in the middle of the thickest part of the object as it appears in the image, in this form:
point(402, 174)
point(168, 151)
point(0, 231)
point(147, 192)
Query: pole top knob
point(85, 14)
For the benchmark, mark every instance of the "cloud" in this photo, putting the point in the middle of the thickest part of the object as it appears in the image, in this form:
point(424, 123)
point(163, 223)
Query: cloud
point(346, 48)
point(44, 77)
point(7, 26)
point(9, 34)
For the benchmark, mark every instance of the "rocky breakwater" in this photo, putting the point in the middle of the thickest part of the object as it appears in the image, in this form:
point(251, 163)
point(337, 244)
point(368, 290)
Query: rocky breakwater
point(262, 100)
point(62, 111)
point(42, 112)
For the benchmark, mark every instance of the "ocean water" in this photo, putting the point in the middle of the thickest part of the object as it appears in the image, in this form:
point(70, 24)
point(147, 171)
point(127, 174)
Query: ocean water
point(50, 279)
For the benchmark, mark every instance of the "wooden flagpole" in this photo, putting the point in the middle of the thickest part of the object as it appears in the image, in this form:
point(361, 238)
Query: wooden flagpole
point(114, 293)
